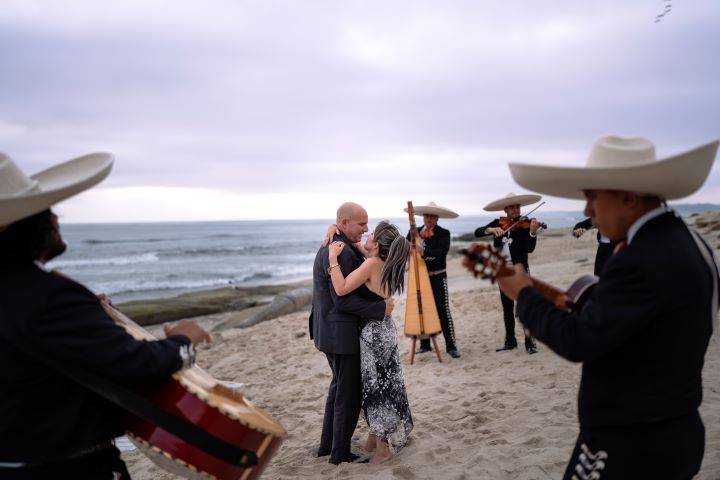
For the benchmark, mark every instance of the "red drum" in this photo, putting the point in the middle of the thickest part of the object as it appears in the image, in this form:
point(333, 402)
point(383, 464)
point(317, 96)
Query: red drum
point(195, 396)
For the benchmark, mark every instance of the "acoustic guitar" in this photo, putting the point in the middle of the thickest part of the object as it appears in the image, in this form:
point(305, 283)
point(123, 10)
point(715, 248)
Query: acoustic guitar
point(194, 396)
point(484, 261)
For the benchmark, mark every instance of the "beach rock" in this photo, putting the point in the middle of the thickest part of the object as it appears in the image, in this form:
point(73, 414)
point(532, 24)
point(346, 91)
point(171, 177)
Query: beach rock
point(205, 302)
point(286, 302)
point(465, 237)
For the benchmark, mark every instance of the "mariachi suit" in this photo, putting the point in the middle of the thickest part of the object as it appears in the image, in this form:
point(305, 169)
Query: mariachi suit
point(604, 250)
point(435, 255)
point(521, 243)
point(335, 329)
point(642, 338)
point(51, 425)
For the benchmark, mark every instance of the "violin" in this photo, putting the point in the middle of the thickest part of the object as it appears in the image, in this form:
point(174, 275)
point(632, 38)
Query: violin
point(510, 224)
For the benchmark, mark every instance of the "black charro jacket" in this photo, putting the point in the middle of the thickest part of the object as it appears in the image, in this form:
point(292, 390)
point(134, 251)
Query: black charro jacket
point(48, 322)
point(436, 248)
point(643, 334)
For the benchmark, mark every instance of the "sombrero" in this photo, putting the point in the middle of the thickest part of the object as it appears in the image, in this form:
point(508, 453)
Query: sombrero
point(433, 209)
point(22, 196)
point(511, 199)
point(625, 164)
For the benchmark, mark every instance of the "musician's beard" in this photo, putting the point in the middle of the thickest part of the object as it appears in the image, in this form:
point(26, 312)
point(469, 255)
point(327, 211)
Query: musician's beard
point(56, 248)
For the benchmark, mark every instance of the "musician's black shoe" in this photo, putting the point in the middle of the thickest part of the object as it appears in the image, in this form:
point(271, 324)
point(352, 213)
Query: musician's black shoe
point(323, 452)
point(507, 346)
point(454, 353)
point(424, 349)
point(530, 346)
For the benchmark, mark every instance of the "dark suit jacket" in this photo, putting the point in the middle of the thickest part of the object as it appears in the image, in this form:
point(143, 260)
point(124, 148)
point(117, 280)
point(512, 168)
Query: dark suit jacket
point(43, 415)
point(436, 248)
point(522, 242)
point(643, 334)
point(604, 250)
point(587, 225)
point(335, 320)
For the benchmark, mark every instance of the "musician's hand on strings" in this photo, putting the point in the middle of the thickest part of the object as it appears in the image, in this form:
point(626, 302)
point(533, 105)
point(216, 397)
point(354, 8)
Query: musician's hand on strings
point(389, 305)
point(334, 251)
point(534, 226)
point(190, 329)
point(578, 232)
point(331, 232)
point(496, 231)
point(513, 284)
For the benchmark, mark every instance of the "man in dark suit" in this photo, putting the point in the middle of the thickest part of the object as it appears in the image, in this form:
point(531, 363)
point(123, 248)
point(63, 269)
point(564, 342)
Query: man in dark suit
point(605, 245)
point(335, 329)
point(643, 334)
point(50, 425)
point(515, 245)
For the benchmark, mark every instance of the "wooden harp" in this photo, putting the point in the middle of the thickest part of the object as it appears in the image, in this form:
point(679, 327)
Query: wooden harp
point(421, 315)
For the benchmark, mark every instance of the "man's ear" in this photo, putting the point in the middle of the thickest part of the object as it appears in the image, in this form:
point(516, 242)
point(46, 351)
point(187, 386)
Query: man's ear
point(630, 199)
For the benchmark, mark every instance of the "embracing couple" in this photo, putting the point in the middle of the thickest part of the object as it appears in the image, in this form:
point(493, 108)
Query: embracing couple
point(351, 323)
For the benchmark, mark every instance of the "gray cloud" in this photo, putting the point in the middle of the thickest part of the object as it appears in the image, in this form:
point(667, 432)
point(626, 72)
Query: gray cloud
point(268, 97)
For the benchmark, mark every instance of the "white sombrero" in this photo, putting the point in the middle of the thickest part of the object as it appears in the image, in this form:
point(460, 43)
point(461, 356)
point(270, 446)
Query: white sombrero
point(22, 196)
point(433, 208)
point(626, 164)
point(511, 199)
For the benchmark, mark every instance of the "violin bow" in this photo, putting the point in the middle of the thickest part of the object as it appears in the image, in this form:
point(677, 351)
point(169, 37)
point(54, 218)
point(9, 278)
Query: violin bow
point(521, 217)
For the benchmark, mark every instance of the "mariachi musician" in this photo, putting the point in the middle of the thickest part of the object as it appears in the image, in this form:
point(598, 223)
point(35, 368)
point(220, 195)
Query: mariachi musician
point(436, 241)
point(605, 245)
point(515, 237)
point(643, 334)
point(51, 426)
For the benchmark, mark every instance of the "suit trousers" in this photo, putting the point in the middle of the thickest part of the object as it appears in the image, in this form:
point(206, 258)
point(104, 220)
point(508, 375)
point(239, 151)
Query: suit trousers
point(438, 283)
point(342, 407)
point(508, 307)
point(669, 449)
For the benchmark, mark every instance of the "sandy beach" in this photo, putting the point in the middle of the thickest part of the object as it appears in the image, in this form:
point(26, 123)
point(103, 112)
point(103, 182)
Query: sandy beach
point(485, 415)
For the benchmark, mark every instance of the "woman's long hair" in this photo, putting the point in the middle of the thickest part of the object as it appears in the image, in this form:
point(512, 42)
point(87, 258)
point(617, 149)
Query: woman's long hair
point(393, 250)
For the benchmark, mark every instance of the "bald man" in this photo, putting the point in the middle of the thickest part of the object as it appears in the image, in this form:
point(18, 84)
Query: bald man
point(335, 328)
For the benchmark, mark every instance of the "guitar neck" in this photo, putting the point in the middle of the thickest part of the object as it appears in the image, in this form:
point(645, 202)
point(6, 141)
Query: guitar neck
point(555, 295)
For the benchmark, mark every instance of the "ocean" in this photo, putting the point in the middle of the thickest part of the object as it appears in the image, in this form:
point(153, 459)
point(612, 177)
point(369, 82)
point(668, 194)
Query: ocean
point(157, 260)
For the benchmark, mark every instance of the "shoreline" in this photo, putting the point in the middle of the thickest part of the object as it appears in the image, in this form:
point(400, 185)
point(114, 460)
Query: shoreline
point(247, 299)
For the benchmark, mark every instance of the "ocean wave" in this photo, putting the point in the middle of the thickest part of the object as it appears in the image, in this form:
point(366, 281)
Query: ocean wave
point(256, 276)
point(203, 251)
point(160, 285)
point(284, 250)
point(94, 241)
point(86, 262)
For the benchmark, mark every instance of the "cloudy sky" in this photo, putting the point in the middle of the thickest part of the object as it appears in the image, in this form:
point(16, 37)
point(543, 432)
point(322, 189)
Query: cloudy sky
point(263, 109)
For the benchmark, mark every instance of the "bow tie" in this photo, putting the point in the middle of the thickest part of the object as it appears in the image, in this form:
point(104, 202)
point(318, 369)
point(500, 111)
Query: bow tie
point(427, 233)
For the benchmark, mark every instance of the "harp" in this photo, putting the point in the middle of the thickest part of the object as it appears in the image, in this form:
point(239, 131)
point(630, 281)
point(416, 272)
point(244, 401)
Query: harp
point(421, 315)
